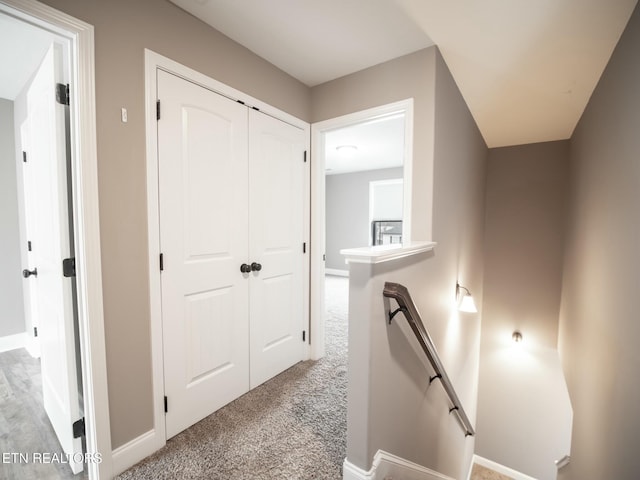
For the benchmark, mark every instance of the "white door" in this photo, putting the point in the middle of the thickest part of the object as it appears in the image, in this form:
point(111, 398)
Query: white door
point(30, 290)
point(276, 233)
point(49, 236)
point(203, 160)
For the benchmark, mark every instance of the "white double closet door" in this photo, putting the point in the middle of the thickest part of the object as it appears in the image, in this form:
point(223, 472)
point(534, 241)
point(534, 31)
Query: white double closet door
point(231, 183)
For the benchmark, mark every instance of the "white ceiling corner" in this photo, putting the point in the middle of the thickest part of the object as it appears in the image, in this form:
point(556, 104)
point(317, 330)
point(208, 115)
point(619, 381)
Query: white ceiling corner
point(314, 41)
point(526, 69)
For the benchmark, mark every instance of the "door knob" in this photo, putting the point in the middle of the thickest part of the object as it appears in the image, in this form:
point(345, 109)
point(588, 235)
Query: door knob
point(256, 267)
point(27, 273)
point(244, 268)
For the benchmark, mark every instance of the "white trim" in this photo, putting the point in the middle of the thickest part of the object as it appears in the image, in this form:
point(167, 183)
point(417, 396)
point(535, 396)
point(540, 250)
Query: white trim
point(318, 202)
point(13, 342)
point(32, 345)
point(336, 272)
point(127, 455)
point(158, 433)
point(86, 220)
point(386, 465)
point(156, 438)
point(385, 253)
point(352, 472)
point(318, 247)
point(496, 467)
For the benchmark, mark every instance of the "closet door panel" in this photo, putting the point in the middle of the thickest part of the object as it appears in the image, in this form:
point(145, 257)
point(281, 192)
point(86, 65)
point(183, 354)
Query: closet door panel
point(276, 216)
point(203, 171)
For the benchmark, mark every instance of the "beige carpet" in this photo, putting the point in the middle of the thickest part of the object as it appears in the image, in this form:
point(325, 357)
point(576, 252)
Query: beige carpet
point(482, 473)
point(291, 427)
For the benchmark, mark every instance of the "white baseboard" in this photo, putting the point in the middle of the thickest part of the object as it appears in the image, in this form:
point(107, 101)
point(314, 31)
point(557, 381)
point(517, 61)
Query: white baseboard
point(496, 467)
point(336, 272)
point(33, 346)
point(127, 455)
point(13, 342)
point(351, 472)
point(386, 465)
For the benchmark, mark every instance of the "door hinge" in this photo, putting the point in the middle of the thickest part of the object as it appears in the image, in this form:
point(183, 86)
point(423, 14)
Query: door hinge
point(78, 428)
point(62, 94)
point(161, 261)
point(305, 156)
point(35, 331)
point(304, 335)
point(166, 404)
point(157, 109)
point(304, 247)
point(324, 257)
point(29, 245)
point(24, 157)
point(69, 267)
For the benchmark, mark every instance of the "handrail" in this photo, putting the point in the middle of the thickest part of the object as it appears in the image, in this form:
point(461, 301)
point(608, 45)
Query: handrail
point(405, 305)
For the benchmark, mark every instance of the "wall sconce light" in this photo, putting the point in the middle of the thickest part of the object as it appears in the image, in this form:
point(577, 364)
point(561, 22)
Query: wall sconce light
point(516, 337)
point(465, 300)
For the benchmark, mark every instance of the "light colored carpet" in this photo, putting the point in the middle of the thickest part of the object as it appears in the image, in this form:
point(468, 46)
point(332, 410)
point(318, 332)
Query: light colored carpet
point(292, 427)
point(481, 473)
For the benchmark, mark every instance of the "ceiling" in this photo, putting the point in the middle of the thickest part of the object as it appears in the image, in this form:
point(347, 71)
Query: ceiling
point(17, 65)
point(525, 68)
point(378, 144)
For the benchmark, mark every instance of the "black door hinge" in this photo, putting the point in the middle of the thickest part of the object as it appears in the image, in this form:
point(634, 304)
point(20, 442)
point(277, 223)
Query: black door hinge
point(35, 331)
point(24, 157)
point(69, 267)
point(304, 335)
point(305, 156)
point(29, 245)
point(78, 428)
point(157, 109)
point(62, 94)
point(161, 261)
point(304, 247)
point(166, 404)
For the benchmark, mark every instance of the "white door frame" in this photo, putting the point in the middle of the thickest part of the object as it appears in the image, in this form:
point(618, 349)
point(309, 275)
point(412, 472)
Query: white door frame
point(156, 438)
point(84, 178)
point(318, 213)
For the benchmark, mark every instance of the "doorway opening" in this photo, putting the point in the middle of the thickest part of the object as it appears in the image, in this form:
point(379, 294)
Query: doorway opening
point(361, 177)
point(52, 358)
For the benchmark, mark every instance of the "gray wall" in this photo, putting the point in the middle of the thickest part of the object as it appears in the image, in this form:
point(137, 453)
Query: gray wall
point(526, 212)
point(11, 302)
point(599, 327)
point(526, 195)
point(122, 30)
point(390, 404)
point(347, 212)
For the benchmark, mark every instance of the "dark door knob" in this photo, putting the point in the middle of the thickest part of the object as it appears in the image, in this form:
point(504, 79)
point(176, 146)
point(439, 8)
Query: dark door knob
point(256, 267)
point(27, 273)
point(244, 268)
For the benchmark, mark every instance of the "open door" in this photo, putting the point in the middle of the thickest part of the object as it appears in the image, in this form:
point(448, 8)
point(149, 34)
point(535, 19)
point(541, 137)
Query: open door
point(48, 232)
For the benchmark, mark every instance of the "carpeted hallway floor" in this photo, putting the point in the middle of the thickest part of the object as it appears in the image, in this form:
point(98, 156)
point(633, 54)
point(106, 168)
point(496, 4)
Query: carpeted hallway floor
point(292, 427)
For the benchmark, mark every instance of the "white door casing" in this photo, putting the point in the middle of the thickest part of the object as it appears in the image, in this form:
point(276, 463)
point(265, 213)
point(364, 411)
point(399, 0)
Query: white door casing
point(84, 178)
point(202, 155)
point(48, 229)
point(154, 63)
point(276, 232)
